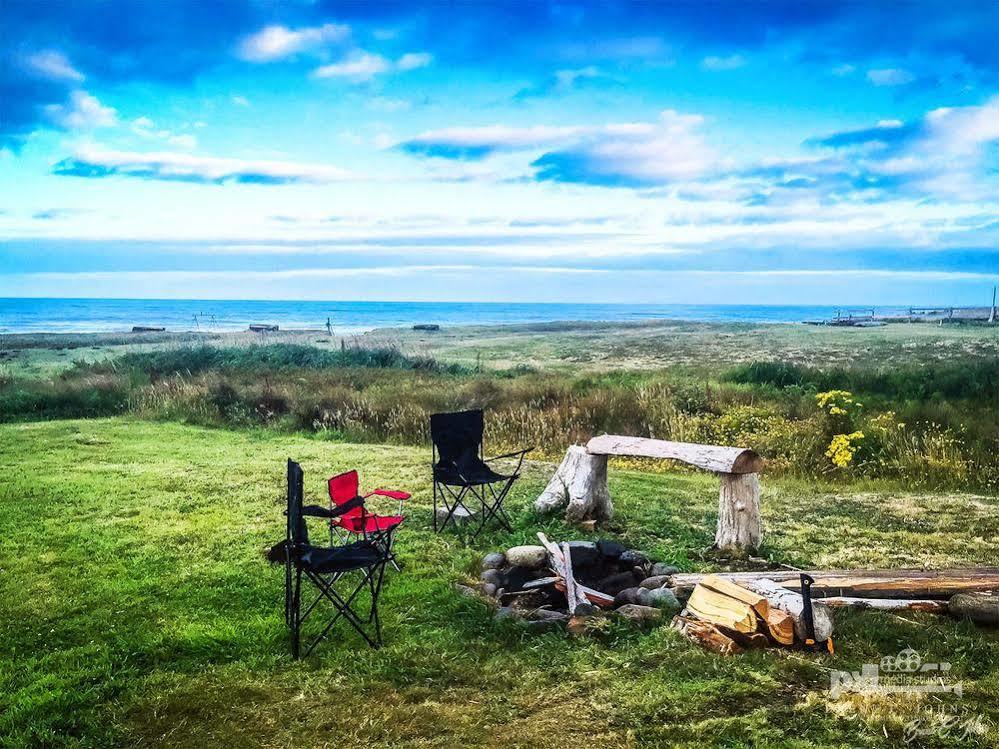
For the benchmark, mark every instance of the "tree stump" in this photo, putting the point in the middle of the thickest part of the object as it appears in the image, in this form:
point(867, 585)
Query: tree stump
point(739, 528)
point(579, 485)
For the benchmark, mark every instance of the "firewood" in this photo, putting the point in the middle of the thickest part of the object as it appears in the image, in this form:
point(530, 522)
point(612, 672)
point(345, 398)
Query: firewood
point(562, 564)
point(717, 608)
point(732, 590)
point(706, 635)
point(780, 625)
point(792, 603)
point(748, 640)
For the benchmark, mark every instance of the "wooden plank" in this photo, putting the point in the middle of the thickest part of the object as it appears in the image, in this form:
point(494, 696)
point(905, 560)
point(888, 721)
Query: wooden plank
point(709, 457)
point(886, 604)
point(901, 583)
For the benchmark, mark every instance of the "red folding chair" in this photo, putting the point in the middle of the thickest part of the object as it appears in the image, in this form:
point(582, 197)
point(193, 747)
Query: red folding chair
point(352, 518)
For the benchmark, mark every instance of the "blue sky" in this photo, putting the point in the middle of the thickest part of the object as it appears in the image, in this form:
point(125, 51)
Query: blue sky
point(712, 152)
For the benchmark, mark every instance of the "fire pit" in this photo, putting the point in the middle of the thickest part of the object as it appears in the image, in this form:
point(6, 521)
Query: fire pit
point(548, 584)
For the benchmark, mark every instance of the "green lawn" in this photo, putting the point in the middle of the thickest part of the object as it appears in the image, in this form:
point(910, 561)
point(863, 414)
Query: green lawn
point(136, 610)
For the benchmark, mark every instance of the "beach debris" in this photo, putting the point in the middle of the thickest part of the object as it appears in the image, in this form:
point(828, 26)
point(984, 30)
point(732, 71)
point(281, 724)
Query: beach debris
point(263, 328)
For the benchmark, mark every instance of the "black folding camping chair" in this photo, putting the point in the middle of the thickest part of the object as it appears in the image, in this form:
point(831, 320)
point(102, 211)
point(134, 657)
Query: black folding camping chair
point(329, 570)
point(460, 471)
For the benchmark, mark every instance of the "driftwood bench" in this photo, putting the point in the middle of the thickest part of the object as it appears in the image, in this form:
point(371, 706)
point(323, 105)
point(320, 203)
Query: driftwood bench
point(580, 483)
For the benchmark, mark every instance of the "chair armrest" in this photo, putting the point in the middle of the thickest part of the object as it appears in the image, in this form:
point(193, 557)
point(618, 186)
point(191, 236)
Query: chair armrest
point(391, 494)
point(510, 455)
point(319, 512)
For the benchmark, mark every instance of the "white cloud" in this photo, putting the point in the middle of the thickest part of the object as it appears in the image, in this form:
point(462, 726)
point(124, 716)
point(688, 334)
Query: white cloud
point(414, 60)
point(363, 66)
point(145, 128)
point(841, 71)
point(360, 67)
point(95, 161)
point(82, 112)
point(240, 101)
point(277, 42)
point(386, 104)
point(54, 65)
point(723, 63)
point(890, 77)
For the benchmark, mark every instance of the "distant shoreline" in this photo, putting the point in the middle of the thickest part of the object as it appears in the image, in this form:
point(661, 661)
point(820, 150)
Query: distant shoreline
point(179, 317)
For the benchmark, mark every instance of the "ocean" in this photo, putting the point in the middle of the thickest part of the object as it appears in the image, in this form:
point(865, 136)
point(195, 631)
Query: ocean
point(109, 315)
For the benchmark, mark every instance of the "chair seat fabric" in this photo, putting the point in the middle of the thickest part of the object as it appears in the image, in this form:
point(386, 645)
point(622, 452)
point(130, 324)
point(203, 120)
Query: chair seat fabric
point(372, 523)
point(339, 558)
point(470, 471)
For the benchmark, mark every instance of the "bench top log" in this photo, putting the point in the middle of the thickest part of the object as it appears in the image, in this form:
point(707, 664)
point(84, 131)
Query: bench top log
point(709, 457)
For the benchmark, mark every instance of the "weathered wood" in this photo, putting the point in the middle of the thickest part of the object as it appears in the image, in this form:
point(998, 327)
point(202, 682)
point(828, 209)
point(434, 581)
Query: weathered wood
point(706, 635)
point(778, 623)
point(579, 485)
point(562, 565)
point(793, 604)
point(709, 457)
point(710, 606)
point(739, 528)
point(886, 604)
point(901, 583)
point(981, 608)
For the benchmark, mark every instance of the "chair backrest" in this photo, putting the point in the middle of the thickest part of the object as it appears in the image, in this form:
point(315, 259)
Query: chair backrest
point(457, 434)
point(298, 532)
point(343, 489)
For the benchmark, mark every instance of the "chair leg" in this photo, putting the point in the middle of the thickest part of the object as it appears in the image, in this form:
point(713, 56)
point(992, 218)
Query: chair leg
point(296, 622)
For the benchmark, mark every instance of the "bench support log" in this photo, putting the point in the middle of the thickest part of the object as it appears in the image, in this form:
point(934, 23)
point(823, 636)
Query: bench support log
point(579, 485)
point(739, 528)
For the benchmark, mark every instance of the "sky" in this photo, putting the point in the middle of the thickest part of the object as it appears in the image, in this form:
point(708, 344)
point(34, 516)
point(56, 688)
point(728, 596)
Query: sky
point(780, 152)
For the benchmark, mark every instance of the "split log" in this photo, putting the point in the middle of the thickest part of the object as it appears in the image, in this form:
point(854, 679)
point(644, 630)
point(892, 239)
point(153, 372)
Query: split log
point(902, 583)
point(886, 604)
point(739, 528)
point(717, 608)
point(979, 607)
point(579, 485)
point(778, 623)
point(793, 604)
point(709, 457)
point(706, 635)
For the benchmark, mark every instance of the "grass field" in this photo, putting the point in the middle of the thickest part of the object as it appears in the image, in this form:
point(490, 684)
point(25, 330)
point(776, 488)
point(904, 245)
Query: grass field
point(136, 610)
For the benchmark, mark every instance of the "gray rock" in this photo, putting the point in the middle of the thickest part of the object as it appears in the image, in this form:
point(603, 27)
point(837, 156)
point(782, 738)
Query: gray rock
point(614, 584)
point(661, 568)
point(583, 553)
point(547, 615)
point(586, 609)
point(643, 597)
point(531, 557)
point(505, 613)
point(640, 615)
point(488, 589)
point(494, 561)
point(500, 593)
point(460, 517)
point(465, 590)
point(633, 558)
point(610, 549)
point(629, 595)
point(545, 625)
point(663, 598)
point(492, 576)
point(656, 581)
